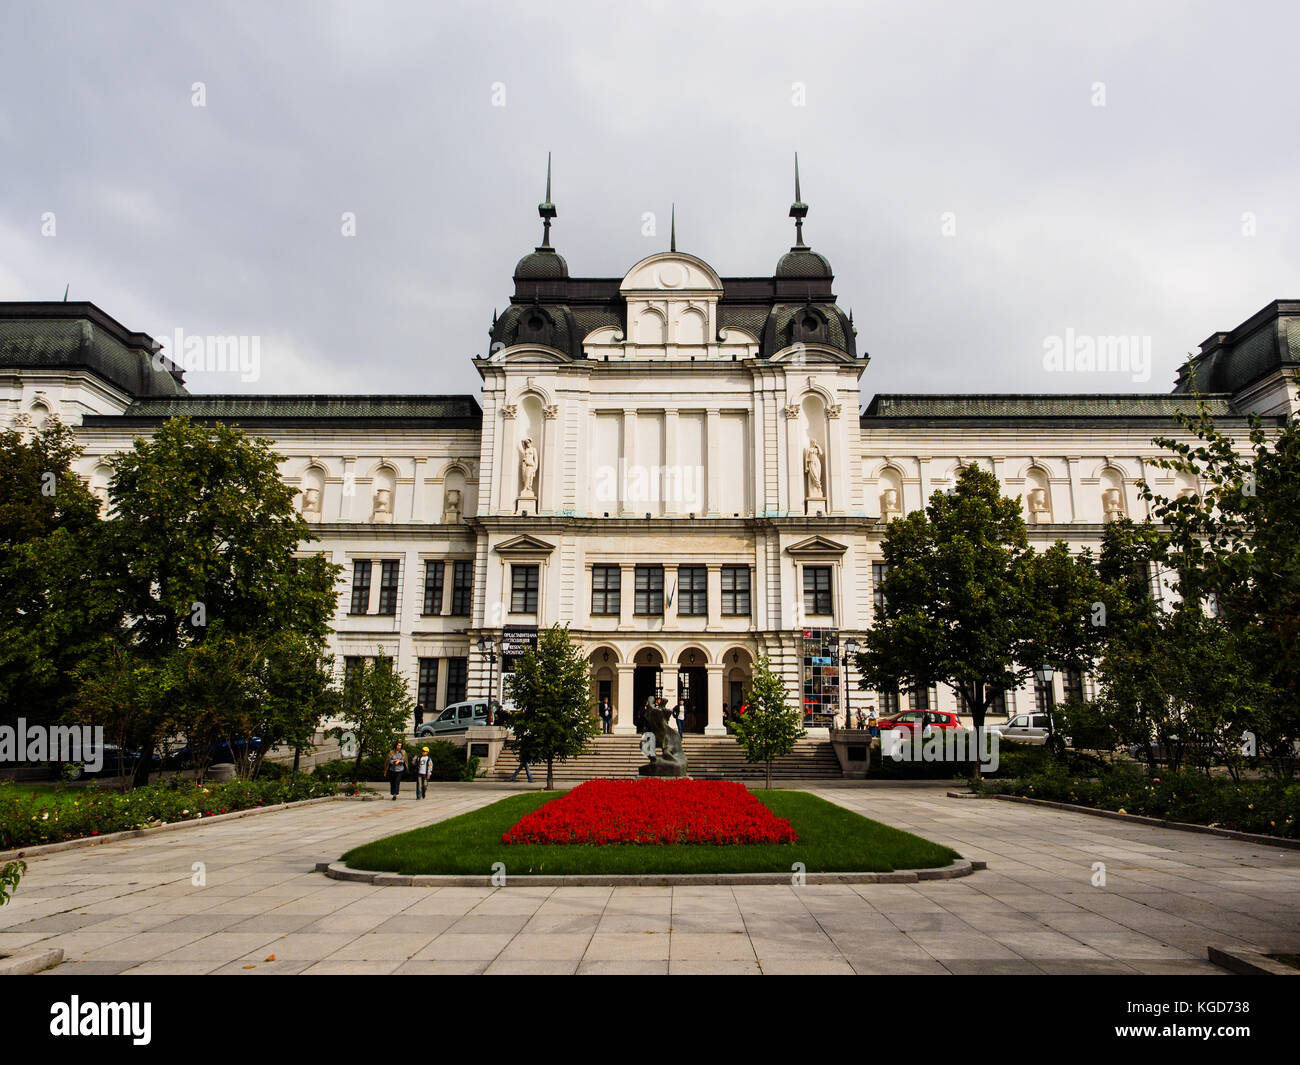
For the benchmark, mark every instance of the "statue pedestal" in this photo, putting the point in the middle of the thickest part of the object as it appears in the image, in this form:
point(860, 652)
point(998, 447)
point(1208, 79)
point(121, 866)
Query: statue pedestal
point(814, 504)
point(663, 769)
point(527, 501)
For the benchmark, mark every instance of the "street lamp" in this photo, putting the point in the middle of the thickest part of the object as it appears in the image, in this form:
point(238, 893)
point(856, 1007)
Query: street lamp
point(1045, 673)
point(488, 647)
point(850, 649)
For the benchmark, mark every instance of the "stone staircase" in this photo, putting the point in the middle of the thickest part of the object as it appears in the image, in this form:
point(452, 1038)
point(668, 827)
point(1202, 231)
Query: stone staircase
point(708, 758)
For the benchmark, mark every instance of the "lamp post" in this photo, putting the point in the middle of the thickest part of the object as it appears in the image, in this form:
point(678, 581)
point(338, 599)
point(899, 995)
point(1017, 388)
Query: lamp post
point(488, 647)
point(1045, 673)
point(850, 649)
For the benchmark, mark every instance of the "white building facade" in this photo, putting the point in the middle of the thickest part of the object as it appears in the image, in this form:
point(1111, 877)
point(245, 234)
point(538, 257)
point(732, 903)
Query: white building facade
point(675, 465)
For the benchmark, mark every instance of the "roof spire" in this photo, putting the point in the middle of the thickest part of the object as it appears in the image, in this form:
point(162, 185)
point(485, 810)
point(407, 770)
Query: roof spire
point(672, 240)
point(798, 209)
point(546, 209)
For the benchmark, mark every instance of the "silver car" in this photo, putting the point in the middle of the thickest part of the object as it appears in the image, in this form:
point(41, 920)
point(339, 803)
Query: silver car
point(1025, 728)
point(458, 717)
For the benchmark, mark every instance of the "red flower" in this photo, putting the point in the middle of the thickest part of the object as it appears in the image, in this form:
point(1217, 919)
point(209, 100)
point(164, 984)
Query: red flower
point(655, 812)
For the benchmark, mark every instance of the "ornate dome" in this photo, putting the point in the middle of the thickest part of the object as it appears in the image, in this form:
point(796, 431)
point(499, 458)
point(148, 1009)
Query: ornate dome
point(541, 264)
point(802, 261)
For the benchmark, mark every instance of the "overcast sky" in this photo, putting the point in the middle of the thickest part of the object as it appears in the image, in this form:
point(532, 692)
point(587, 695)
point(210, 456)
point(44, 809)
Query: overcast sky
point(1105, 168)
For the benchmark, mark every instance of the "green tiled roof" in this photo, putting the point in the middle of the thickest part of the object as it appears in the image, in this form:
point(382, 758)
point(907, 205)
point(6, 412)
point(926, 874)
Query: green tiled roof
point(1052, 405)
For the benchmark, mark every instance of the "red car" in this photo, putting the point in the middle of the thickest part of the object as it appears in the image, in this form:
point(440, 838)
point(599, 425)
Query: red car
point(913, 719)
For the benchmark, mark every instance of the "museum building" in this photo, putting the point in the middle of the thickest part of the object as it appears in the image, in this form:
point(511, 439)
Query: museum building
point(676, 465)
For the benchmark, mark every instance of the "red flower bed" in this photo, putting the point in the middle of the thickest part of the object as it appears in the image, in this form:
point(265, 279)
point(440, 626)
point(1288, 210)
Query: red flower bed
point(653, 811)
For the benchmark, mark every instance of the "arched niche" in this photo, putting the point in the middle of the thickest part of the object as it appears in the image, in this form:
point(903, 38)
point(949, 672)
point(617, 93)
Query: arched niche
point(1114, 496)
point(39, 413)
point(383, 495)
point(692, 328)
point(889, 493)
point(1038, 496)
point(531, 437)
point(311, 501)
point(651, 328)
point(455, 501)
point(100, 477)
point(815, 461)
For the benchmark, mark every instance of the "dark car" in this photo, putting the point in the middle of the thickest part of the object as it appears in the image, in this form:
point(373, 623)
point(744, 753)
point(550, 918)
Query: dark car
point(115, 761)
point(215, 754)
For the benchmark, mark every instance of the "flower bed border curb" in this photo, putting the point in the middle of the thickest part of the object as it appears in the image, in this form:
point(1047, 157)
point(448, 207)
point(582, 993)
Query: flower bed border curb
point(114, 837)
point(339, 871)
point(30, 960)
point(1141, 819)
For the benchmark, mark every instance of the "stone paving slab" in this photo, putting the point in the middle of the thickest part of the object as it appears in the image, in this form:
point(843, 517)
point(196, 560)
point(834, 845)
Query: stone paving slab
point(131, 906)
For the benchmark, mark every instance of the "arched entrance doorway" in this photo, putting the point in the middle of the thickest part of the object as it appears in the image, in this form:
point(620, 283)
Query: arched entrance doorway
point(647, 683)
point(604, 681)
point(693, 688)
point(737, 676)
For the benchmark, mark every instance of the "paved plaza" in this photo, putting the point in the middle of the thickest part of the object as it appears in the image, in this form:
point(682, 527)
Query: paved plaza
point(133, 906)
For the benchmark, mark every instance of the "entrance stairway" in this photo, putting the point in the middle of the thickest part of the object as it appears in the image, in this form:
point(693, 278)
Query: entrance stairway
point(708, 758)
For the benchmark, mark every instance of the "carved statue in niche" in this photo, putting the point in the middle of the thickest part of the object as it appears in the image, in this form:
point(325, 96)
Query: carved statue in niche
point(383, 512)
point(100, 492)
point(889, 507)
point(1039, 511)
point(451, 510)
point(1112, 504)
point(527, 468)
point(812, 466)
point(311, 502)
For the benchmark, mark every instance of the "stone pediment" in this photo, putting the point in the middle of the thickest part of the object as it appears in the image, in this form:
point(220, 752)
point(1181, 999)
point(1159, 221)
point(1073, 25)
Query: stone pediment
point(524, 545)
point(668, 272)
point(817, 545)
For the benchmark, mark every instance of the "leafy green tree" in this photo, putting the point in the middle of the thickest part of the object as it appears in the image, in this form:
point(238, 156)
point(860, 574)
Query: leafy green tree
point(203, 530)
point(958, 598)
point(551, 690)
point(770, 727)
point(1233, 548)
point(56, 602)
point(10, 874)
point(374, 706)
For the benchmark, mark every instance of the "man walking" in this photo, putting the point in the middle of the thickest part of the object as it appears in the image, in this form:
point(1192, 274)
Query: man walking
point(679, 716)
point(606, 715)
point(396, 767)
point(525, 767)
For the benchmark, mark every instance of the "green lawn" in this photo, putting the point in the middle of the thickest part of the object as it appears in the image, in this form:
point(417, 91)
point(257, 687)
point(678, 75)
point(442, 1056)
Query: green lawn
point(831, 839)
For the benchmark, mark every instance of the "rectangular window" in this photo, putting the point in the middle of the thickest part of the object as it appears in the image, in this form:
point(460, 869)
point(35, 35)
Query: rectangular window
point(997, 705)
point(817, 590)
point(920, 698)
point(462, 587)
point(606, 590)
point(523, 589)
point(878, 571)
point(735, 591)
point(889, 701)
point(433, 574)
point(650, 591)
point(692, 591)
point(1042, 696)
point(426, 692)
point(457, 675)
point(388, 571)
point(1072, 681)
point(351, 663)
point(360, 586)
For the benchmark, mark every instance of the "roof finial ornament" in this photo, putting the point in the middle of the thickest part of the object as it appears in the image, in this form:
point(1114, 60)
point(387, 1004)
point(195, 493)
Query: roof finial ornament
point(546, 209)
point(798, 209)
point(672, 239)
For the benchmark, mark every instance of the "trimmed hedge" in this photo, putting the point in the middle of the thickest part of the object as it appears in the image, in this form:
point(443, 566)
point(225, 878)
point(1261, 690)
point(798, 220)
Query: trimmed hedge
point(449, 763)
point(50, 815)
point(1267, 807)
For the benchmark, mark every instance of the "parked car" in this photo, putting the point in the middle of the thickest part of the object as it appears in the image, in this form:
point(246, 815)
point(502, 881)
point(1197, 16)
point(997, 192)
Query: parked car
point(115, 761)
point(216, 753)
point(911, 720)
point(1024, 728)
point(458, 717)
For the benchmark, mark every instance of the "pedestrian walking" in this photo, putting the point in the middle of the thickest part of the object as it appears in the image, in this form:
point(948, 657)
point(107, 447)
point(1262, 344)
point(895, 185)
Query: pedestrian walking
point(679, 716)
point(396, 767)
point(606, 715)
point(423, 771)
point(525, 767)
point(419, 716)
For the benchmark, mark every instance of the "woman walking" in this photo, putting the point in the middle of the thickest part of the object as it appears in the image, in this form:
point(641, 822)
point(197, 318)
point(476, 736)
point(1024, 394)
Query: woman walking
point(396, 767)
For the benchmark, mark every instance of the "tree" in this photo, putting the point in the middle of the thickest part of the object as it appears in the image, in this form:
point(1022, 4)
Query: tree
point(770, 727)
point(373, 707)
point(56, 602)
point(958, 598)
point(203, 530)
point(551, 690)
point(1233, 548)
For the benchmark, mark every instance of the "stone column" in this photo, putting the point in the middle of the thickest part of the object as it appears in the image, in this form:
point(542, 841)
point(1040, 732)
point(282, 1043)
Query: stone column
point(715, 726)
point(713, 420)
point(671, 481)
point(626, 595)
point(549, 469)
point(795, 481)
point(714, 585)
point(625, 505)
point(623, 710)
point(507, 470)
point(348, 489)
point(834, 478)
point(668, 678)
point(417, 492)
